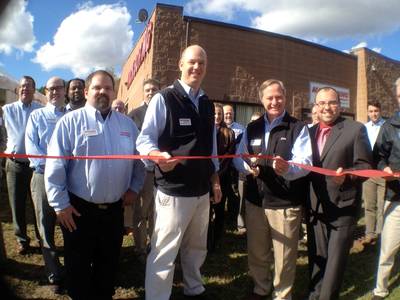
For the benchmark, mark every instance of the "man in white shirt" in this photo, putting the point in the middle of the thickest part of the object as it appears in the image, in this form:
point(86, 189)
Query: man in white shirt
point(373, 188)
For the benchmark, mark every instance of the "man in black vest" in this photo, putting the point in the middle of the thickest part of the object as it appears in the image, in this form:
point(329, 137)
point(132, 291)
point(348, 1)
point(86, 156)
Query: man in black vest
point(180, 122)
point(141, 214)
point(274, 191)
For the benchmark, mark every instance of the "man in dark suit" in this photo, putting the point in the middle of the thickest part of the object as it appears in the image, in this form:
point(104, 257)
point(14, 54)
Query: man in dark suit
point(338, 144)
point(150, 87)
point(140, 216)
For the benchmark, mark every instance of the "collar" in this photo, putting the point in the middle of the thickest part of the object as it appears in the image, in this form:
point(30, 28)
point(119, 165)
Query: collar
point(93, 112)
point(323, 125)
point(54, 108)
point(378, 123)
point(190, 90)
point(276, 121)
point(22, 104)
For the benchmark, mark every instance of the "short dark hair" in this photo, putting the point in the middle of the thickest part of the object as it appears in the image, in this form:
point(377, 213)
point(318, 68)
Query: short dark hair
point(328, 88)
point(26, 77)
point(153, 82)
point(74, 79)
point(374, 103)
point(88, 80)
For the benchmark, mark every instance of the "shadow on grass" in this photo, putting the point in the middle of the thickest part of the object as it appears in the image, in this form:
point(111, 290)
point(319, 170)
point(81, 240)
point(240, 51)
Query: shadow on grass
point(22, 270)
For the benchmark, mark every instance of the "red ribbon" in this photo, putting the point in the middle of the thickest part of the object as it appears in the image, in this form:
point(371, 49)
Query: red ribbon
point(361, 173)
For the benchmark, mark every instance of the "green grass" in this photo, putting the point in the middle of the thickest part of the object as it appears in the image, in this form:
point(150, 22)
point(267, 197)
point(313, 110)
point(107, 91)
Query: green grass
point(225, 271)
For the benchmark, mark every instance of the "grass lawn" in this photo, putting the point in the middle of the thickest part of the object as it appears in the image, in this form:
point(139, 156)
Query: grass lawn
point(225, 272)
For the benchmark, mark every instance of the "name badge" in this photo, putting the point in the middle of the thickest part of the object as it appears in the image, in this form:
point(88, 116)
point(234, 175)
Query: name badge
point(1, 121)
point(185, 122)
point(255, 142)
point(90, 132)
point(125, 133)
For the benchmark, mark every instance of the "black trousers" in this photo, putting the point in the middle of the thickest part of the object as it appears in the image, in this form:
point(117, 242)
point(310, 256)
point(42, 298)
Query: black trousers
point(328, 249)
point(92, 250)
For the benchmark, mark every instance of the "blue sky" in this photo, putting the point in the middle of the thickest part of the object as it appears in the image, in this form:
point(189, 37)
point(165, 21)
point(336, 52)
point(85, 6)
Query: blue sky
point(68, 38)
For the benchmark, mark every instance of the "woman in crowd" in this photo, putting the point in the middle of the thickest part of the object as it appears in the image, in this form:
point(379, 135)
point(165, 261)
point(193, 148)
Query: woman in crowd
point(225, 145)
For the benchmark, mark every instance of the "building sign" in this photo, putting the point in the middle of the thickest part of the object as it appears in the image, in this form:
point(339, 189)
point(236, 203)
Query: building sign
point(344, 94)
point(141, 54)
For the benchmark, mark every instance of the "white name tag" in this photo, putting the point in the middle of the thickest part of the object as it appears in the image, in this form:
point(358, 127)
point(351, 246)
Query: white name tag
point(255, 142)
point(90, 132)
point(185, 122)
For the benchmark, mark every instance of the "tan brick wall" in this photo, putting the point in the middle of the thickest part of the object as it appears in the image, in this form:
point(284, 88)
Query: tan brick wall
point(240, 60)
point(381, 81)
point(362, 87)
point(133, 96)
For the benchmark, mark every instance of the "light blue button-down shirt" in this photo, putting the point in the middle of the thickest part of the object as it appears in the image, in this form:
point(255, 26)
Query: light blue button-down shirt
point(40, 127)
point(16, 116)
point(155, 119)
point(237, 128)
point(373, 130)
point(85, 132)
point(301, 150)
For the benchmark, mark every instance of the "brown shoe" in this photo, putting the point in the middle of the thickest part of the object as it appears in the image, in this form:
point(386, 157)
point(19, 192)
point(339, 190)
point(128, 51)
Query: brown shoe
point(369, 240)
point(254, 296)
point(358, 246)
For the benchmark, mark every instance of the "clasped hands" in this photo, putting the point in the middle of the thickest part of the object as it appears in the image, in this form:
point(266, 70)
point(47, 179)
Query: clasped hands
point(164, 160)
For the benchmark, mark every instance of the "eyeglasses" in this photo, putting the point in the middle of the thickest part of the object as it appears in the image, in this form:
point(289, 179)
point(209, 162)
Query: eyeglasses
point(55, 88)
point(330, 103)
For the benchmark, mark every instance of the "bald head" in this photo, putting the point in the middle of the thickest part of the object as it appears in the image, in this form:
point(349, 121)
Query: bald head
point(193, 65)
point(118, 105)
point(55, 91)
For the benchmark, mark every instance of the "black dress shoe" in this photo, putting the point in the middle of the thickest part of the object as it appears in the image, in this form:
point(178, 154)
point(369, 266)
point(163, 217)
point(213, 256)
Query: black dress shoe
point(203, 296)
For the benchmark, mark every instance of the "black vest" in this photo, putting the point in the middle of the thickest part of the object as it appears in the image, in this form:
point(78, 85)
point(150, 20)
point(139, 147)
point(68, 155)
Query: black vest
point(187, 132)
point(270, 190)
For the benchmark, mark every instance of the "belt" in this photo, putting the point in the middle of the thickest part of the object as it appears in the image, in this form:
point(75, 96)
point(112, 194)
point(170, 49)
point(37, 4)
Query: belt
point(24, 163)
point(91, 205)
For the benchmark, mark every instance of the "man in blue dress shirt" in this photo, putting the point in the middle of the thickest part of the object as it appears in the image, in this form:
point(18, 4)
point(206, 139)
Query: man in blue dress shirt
point(88, 194)
point(180, 121)
point(18, 171)
point(40, 127)
point(274, 192)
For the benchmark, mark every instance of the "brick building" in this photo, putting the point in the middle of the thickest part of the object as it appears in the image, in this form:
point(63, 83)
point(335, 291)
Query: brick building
point(241, 58)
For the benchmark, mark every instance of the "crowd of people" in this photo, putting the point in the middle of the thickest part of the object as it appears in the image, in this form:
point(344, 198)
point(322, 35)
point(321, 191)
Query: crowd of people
point(171, 205)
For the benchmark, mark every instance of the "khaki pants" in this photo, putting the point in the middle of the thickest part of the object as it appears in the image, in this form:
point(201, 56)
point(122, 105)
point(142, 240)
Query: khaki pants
point(143, 214)
point(277, 228)
point(180, 223)
point(390, 244)
point(374, 196)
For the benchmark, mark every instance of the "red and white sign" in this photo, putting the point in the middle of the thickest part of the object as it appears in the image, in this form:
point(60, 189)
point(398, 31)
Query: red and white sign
point(344, 94)
point(141, 54)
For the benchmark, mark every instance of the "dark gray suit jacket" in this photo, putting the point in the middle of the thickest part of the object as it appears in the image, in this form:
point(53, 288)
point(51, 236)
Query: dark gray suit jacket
point(138, 114)
point(348, 147)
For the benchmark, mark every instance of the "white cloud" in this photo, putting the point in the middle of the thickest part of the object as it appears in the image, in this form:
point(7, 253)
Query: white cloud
point(360, 45)
point(16, 26)
point(309, 19)
point(377, 49)
point(93, 37)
